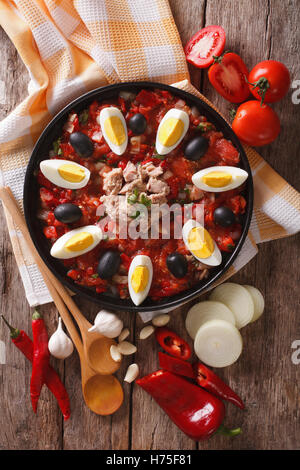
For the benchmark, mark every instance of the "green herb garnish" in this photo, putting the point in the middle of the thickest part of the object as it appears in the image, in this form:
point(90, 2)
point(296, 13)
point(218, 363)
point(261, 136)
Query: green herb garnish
point(135, 216)
point(56, 146)
point(94, 276)
point(145, 200)
point(83, 117)
point(205, 126)
point(159, 157)
point(133, 198)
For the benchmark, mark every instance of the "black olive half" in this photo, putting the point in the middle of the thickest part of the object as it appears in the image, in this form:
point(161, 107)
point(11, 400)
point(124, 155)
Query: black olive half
point(137, 123)
point(82, 144)
point(109, 264)
point(196, 148)
point(67, 213)
point(177, 265)
point(224, 216)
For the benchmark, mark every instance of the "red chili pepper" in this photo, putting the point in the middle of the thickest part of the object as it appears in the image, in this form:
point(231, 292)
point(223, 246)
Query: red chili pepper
point(196, 412)
point(53, 382)
point(175, 365)
point(207, 379)
point(172, 343)
point(41, 357)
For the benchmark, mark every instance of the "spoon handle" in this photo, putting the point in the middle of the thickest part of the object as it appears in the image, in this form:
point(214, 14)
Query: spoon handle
point(13, 209)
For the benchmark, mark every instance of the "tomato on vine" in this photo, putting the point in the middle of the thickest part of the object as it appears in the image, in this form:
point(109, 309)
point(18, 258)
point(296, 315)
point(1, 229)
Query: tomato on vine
point(256, 124)
point(269, 81)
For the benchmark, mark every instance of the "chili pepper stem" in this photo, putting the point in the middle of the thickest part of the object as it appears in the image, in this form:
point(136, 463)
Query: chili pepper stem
point(228, 432)
point(36, 315)
point(14, 332)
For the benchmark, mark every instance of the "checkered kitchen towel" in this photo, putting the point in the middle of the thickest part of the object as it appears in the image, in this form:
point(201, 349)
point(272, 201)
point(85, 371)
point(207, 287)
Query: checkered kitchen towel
point(70, 47)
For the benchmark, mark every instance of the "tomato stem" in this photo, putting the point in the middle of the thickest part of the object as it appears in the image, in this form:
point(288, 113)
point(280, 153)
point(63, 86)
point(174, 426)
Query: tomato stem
point(218, 59)
point(262, 85)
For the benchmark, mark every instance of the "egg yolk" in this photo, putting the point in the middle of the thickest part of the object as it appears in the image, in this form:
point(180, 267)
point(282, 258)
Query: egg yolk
point(140, 278)
point(200, 242)
point(217, 179)
point(79, 242)
point(114, 130)
point(72, 173)
point(170, 131)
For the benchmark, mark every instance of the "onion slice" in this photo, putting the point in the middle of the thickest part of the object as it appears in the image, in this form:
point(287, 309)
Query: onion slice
point(205, 311)
point(218, 343)
point(237, 299)
point(258, 301)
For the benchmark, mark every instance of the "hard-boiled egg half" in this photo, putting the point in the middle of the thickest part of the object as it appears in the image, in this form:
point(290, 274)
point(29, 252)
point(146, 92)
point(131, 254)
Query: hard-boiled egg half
point(140, 278)
point(65, 173)
point(77, 242)
point(219, 178)
point(114, 130)
point(171, 130)
point(200, 243)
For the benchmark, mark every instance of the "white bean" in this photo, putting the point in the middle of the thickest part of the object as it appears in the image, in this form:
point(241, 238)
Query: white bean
point(124, 334)
point(161, 320)
point(146, 331)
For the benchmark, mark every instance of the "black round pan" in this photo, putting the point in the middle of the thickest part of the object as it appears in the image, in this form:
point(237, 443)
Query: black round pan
point(31, 199)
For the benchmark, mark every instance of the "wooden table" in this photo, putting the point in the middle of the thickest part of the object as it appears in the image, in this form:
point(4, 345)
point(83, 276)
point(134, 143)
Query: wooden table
point(264, 375)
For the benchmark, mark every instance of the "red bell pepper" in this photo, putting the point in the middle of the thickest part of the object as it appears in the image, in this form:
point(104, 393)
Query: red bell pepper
point(175, 365)
point(196, 412)
point(172, 343)
point(207, 379)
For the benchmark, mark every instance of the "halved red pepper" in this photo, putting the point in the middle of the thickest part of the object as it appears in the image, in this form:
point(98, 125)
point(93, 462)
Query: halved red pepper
point(196, 412)
point(175, 365)
point(172, 343)
point(207, 379)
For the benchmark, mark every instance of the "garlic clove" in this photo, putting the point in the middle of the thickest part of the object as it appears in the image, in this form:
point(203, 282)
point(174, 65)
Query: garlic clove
point(108, 324)
point(126, 348)
point(115, 353)
point(132, 373)
point(124, 334)
point(161, 320)
point(60, 345)
point(146, 331)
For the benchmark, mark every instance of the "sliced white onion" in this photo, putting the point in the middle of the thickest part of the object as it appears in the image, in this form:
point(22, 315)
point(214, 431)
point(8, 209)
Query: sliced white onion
point(218, 343)
point(205, 311)
point(237, 299)
point(258, 301)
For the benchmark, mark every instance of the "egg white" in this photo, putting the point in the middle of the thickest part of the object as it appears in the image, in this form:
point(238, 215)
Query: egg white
point(216, 257)
point(177, 114)
point(106, 113)
point(140, 260)
point(58, 249)
point(238, 178)
point(49, 168)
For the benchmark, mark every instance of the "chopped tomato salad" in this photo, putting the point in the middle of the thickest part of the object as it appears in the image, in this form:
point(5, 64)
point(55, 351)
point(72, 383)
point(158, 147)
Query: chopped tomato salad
point(139, 173)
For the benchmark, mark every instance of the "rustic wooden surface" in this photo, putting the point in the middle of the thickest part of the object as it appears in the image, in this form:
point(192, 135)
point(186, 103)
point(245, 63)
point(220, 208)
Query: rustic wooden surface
point(265, 375)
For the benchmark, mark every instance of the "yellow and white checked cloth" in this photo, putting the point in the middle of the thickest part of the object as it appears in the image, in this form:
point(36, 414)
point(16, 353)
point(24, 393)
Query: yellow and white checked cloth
point(70, 47)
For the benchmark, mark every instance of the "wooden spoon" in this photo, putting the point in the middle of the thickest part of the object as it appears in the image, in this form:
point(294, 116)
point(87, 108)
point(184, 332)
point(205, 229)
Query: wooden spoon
point(103, 394)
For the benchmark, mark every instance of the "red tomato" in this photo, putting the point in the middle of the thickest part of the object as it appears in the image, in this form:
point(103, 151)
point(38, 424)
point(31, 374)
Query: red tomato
point(269, 81)
point(205, 44)
point(256, 124)
point(172, 343)
point(228, 76)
